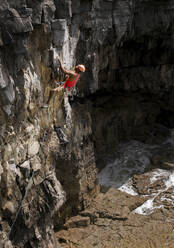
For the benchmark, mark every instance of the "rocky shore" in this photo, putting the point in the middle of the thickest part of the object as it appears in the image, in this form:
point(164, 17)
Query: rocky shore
point(50, 158)
point(140, 213)
point(110, 222)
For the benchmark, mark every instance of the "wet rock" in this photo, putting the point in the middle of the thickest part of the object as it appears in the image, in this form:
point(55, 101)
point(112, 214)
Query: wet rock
point(141, 183)
point(144, 184)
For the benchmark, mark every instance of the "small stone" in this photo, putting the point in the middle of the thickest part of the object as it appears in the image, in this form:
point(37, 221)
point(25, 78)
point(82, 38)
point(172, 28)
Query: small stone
point(78, 221)
point(33, 148)
point(9, 206)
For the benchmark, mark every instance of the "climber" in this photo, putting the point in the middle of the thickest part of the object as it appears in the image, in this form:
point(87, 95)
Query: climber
point(71, 79)
point(72, 76)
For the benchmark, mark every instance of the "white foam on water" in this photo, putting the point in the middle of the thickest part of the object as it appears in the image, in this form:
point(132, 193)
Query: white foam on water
point(133, 158)
point(144, 208)
point(128, 188)
point(166, 199)
point(159, 174)
point(147, 207)
point(170, 181)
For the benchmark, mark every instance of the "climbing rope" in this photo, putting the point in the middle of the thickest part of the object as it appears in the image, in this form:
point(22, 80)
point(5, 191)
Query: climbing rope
point(21, 204)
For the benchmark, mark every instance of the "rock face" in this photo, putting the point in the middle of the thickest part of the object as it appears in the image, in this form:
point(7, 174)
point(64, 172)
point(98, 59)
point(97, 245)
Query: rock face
point(48, 156)
point(110, 222)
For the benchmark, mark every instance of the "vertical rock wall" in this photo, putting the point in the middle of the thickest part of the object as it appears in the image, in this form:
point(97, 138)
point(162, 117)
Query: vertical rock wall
point(47, 155)
point(47, 159)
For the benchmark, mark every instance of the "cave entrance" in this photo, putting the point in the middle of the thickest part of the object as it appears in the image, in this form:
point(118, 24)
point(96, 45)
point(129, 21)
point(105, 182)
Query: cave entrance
point(126, 116)
point(166, 118)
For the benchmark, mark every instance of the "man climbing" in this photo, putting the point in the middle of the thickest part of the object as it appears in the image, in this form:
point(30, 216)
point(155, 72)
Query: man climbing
point(71, 79)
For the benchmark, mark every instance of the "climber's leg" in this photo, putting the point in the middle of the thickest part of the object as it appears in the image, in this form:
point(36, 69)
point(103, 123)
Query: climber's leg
point(59, 88)
point(51, 93)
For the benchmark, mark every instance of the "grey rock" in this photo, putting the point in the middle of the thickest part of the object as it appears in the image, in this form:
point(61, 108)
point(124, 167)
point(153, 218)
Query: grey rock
point(17, 4)
point(63, 9)
point(128, 50)
point(59, 24)
point(48, 11)
point(3, 77)
point(60, 32)
point(25, 169)
point(18, 24)
point(37, 11)
point(9, 91)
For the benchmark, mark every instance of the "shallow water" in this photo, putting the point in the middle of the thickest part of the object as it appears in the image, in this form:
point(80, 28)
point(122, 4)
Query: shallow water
point(133, 158)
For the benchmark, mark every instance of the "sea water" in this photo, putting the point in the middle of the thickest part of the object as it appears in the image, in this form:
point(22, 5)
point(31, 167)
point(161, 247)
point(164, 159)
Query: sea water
point(132, 158)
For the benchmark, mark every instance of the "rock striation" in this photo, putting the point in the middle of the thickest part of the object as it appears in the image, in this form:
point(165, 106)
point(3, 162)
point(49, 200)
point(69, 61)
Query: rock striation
point(49, 157)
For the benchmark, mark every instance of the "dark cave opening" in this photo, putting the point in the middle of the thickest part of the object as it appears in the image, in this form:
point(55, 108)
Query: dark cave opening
point(121, 116)
point(166, 118)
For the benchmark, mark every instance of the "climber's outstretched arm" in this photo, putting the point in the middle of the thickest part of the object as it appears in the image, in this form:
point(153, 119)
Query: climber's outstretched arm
point(68, 72)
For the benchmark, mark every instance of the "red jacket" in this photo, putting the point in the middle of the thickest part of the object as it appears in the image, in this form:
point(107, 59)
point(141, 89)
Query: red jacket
point(69, 83)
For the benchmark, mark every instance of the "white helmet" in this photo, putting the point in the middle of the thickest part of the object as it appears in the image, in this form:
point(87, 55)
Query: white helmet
point(81, 68)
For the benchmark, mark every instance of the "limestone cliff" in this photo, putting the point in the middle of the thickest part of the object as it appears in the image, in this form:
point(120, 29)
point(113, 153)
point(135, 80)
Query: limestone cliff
point(48, 156)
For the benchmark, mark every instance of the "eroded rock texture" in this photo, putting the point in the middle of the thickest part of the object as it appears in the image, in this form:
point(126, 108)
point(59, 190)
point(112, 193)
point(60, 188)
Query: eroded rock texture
point(109, 222)
point(48, 156)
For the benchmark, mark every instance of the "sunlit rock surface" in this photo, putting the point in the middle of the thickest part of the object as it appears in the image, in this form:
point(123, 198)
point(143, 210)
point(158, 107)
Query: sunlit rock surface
point(49, 157)
point(112, 223)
